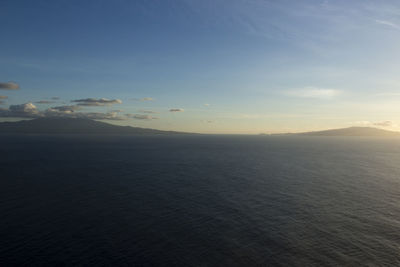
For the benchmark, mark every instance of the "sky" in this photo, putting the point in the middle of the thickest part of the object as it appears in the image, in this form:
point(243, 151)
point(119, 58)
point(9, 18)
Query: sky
point(211, 66)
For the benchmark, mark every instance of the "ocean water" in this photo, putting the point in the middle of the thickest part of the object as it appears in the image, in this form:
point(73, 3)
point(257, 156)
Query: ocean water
point(199, 201)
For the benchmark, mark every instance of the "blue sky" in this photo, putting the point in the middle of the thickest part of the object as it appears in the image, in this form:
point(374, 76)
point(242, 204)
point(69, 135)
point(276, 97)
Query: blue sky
point(224, 66)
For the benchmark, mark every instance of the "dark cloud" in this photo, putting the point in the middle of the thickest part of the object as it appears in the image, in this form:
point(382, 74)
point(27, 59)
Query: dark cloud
point(96, 102)
point(44, 102)
point(176, 110)
point(27, 110)
point(67, 108)
point(3, 97)
point(9, 86)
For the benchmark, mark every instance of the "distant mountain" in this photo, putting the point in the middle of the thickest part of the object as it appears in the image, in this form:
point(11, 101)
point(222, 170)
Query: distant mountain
point(73, 126)
point(353, 131)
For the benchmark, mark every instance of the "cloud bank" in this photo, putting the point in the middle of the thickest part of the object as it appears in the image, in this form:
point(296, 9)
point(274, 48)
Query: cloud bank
point(29, 110)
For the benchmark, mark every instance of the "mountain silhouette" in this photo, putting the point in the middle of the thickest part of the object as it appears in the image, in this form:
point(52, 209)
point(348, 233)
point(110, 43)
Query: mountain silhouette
point(353, 131)
point(73, 126)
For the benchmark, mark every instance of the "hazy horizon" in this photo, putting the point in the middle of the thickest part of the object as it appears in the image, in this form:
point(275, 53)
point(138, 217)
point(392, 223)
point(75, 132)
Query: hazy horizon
point(59, 120)
point(208, 67)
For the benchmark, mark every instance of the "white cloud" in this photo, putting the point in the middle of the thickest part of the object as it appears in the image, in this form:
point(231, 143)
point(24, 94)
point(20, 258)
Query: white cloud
point(313, 92)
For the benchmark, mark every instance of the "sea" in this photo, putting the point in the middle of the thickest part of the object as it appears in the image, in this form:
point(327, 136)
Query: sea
point(199, 200)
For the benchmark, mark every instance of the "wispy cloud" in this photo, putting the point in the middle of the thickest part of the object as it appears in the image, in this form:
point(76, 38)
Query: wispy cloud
point(388, 23)
point(141, 117)
point(44, 102)
point(71, 108)
point(176, 110)
point(362, 123)
point(147, 111)
point(9, 86)
point(96, 102)
point(313, 92)
point(84, 115)
point(388, 94)
point(384, 124)
point(143, 99)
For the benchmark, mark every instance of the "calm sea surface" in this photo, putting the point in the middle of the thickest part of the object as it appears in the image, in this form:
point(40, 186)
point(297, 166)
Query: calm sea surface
point(199, 201)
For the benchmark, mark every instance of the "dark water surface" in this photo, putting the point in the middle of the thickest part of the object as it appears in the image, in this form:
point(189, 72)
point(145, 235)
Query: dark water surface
point(199, 201)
